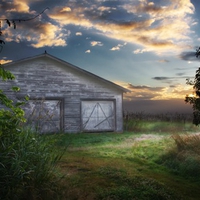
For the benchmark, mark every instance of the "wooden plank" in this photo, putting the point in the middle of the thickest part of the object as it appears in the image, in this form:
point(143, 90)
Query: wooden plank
point(98, 115)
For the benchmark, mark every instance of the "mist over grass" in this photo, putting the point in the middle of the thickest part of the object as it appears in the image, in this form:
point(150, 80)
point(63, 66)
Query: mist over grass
point(155, 158)
point(131, 165)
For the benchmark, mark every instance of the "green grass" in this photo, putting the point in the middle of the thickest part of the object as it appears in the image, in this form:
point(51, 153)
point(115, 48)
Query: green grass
point(156, 160)
point(131, 165)
point(138, 125)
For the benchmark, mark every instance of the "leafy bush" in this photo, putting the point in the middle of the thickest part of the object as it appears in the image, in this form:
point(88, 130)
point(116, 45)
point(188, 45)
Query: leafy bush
point(28, 164)
point(27, 159)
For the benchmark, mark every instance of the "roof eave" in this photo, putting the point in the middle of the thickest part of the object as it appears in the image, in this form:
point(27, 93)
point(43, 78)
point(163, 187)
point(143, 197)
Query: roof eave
point(71, 65)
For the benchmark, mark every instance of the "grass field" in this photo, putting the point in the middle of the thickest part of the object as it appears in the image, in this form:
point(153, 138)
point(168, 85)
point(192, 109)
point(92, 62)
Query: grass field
point(145, 164)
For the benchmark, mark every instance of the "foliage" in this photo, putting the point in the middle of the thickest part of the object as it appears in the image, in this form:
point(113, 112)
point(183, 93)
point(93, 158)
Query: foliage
point(194, 100)
point(27, 160)
point(12, 115)
point(28, 167)
point(197, 52)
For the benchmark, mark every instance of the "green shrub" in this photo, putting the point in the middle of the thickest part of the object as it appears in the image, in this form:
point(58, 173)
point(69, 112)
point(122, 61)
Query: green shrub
point(27, 166)
point(27, 159)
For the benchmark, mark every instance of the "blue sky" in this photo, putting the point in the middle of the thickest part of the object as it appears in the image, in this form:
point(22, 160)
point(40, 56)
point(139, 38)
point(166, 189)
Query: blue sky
point(145, 46)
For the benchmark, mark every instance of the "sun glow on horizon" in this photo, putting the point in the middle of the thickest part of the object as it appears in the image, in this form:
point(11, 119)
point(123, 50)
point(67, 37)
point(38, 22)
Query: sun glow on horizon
point(144, 92)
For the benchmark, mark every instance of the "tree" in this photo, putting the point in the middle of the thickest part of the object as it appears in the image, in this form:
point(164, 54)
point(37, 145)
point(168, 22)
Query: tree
point(194, 100)
point(24, 173)
point(13, 115)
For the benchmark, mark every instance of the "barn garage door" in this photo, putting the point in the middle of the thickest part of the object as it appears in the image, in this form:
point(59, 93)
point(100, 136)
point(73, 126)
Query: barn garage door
point(45, 115)
point(98, 115)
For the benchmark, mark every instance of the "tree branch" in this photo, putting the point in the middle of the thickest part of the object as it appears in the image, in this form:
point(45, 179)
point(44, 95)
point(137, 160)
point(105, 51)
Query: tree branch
point(21, 19)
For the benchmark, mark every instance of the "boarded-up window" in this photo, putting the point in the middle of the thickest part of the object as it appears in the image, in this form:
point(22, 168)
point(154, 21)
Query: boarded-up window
point(98, 115)
point(45, 115)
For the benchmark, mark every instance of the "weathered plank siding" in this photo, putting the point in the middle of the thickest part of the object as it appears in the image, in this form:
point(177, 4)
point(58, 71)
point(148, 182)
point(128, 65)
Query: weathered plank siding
point(45, 77)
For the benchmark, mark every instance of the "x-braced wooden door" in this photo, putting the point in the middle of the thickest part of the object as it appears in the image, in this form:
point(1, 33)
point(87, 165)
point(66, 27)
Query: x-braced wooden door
point(98, 115)
point(45, 115)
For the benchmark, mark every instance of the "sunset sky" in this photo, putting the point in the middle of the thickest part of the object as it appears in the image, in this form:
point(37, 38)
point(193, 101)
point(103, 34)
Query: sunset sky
point(143, 45)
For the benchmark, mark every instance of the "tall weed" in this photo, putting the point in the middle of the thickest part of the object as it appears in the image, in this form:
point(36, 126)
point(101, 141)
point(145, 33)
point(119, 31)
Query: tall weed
point(184, 157)
point(187, 142)
point(28, 166)
point(27, 160)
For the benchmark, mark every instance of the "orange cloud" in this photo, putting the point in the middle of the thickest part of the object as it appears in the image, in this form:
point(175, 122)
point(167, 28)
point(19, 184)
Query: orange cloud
point(20, 6)
point(166, 28)
point(75, 17)
point(143, 92)
point(162, 28)
point(96, 43)
point(5, 61)
point(52, 36)
point(39, 35)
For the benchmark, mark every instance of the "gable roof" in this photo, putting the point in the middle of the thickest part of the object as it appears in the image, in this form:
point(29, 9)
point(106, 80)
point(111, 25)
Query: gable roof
point(71, 66)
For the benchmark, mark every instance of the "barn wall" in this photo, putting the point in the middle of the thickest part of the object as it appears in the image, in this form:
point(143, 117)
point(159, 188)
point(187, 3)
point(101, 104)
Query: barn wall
point(46, 78)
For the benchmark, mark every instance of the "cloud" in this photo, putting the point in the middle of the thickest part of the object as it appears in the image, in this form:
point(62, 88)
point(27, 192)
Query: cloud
point(168, 80)
point(172, 86)
point(143, 87)
point(51, 36)
point(104, 8)
point(161, 78)
point(66, 9)
point(163, 61)
point(96, 43)
point(180, 74)
point(78, 33)
point(88, 51)
point(118, 47)
point(138, 51)
point(5, 61)
point(172, 80)
point(160, 28)
point(38, 32)
point(143, 92)
point(20, 6)
point(188, 56)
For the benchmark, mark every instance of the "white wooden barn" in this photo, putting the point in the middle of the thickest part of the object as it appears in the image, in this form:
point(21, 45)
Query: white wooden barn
point(65, 98)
